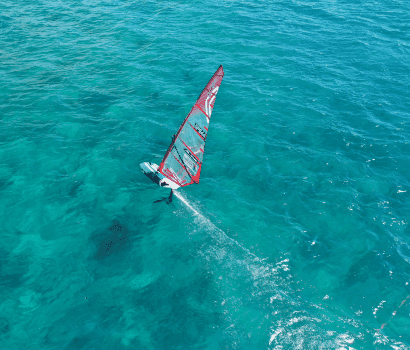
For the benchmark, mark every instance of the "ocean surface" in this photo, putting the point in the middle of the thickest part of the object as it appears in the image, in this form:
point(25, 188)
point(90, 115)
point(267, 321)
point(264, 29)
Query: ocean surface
point(297, 236)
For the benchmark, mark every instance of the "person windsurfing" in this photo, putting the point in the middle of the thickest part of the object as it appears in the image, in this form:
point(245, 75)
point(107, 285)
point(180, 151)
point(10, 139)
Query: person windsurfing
point(182, 162)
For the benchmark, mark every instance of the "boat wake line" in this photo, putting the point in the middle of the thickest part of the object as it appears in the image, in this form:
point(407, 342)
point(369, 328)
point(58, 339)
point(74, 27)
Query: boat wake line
point(223, 235)
point(287, 317)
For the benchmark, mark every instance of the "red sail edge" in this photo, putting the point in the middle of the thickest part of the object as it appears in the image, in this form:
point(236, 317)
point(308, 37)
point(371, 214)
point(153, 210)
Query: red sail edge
point(182, 162)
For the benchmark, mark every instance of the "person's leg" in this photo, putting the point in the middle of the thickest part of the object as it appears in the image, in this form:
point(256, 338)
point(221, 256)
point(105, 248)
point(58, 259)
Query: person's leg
point(170, 197)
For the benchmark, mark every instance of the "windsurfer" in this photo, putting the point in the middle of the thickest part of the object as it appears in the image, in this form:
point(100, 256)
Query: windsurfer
point(181, 164)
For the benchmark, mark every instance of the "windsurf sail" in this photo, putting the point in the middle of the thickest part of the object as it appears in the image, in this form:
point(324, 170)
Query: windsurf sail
point(183, 160)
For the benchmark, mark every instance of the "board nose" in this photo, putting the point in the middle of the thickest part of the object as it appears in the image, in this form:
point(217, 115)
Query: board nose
point(143, 167)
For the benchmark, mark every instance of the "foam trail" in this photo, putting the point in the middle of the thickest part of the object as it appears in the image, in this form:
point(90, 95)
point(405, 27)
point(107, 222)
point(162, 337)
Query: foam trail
point(206, 220)
point(183, 200)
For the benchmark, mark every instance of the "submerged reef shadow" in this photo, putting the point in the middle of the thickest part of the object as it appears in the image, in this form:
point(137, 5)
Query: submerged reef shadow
point(114, 239)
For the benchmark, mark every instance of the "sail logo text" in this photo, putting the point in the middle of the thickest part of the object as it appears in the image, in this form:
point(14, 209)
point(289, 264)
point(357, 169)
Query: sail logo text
point(190, 155)
point(199, 130)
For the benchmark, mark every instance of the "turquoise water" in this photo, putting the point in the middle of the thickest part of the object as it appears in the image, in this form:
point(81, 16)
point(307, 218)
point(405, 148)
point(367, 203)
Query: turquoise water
point(297, 236)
